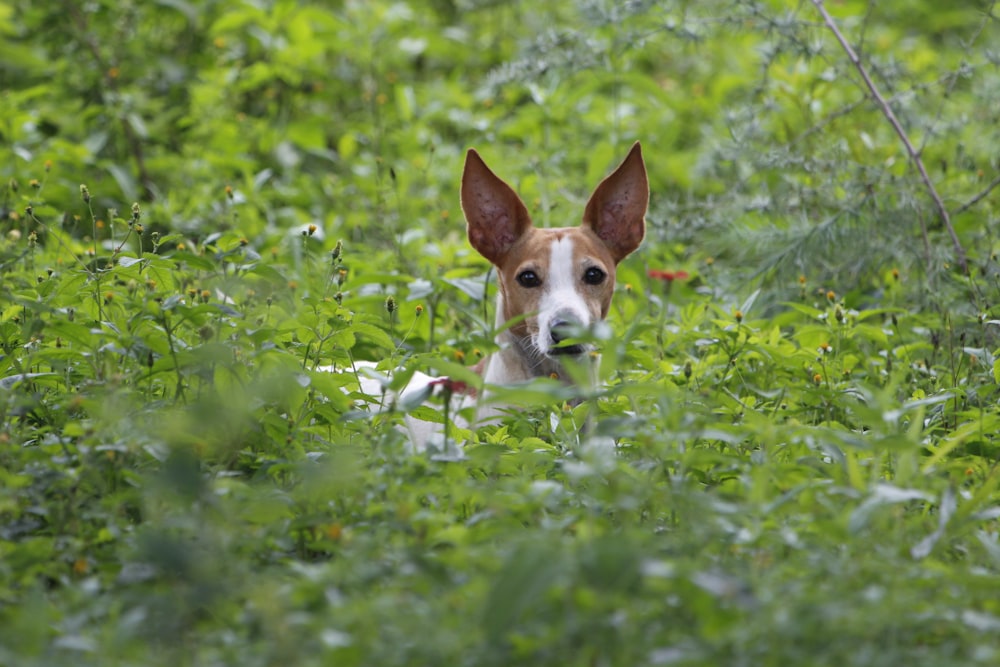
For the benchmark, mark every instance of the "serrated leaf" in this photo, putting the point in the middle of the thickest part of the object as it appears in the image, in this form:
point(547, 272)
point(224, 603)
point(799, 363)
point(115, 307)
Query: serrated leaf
point(372, 333)
point(528, 572)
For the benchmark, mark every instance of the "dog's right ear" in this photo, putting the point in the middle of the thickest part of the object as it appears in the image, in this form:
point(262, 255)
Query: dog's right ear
point(496, 216)
point(617, 209)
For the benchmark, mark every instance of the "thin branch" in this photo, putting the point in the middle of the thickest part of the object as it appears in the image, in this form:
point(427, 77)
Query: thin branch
point(975, 200)
point(132, 138)
point(898, 127)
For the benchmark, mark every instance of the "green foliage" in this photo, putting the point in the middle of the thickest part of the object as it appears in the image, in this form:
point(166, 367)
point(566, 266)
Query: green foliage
point(803, 404)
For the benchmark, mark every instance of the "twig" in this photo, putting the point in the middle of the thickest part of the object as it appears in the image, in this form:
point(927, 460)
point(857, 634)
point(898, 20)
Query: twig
point(975, 200)
point(898, 127)
point(132, 138)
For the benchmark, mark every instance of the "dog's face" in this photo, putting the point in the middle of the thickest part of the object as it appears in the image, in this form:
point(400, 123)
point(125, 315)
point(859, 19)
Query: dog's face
point(561, 279)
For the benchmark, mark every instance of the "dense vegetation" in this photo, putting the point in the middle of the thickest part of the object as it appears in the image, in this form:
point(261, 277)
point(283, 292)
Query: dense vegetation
point(205, 201)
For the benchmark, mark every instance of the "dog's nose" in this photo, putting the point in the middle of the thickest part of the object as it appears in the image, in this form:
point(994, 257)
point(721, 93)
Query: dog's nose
point(563, 329)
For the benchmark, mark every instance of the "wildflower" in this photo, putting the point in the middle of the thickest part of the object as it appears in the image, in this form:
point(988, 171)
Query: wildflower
point(802, 280)
point(445, 214)
point(838, 314)
point(312, 229)
point(895, 274)
point(459, 355)
point(817, 379)
point(453, 386)
point(34, 183)
point(390, 304)
point(136, 212)
point(831, 295)
point(205, 295)
point(181, 247)
point(825, 348)
point(419, 309)
point(337, 250)
point(688, 370)
point(667, 276)
point(709, 261)
point(628, 288)
point(738, 315)
point(48, 165)
point(244, 242)
point(292, 285)
point(229, 192)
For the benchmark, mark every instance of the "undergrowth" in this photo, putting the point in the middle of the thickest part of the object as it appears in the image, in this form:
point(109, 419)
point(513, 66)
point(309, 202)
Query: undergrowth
point(801, 384)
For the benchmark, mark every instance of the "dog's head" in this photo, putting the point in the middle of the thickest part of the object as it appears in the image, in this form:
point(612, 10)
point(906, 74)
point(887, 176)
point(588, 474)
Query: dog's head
point(559, 279)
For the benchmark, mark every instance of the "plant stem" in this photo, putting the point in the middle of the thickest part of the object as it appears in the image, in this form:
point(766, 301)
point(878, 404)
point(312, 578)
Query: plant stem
point(898, 127)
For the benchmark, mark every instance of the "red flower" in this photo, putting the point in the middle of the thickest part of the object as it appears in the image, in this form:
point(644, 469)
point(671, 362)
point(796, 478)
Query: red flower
point(453, 386)
point(668, 276)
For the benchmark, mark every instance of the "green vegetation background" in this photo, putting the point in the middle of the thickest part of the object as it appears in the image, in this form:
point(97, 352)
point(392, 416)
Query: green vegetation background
point(205, 201)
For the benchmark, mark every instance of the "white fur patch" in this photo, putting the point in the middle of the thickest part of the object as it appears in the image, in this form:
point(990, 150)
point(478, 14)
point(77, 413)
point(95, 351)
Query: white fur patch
point(562, 300)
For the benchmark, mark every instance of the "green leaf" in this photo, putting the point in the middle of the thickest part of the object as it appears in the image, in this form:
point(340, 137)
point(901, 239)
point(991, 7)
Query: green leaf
point(529, 571)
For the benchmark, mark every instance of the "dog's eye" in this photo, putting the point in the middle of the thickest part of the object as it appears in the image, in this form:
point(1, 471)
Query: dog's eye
point(594, 276)
point(528, 279)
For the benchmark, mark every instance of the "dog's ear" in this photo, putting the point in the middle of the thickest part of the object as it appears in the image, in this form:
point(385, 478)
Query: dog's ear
point(496, 216)
point(617, 209)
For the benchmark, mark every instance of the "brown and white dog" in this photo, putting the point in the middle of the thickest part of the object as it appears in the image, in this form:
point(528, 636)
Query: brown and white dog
point(554, 282)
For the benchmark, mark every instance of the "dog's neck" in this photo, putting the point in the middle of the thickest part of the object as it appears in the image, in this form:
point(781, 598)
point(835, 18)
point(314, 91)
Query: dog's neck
point(516, 360)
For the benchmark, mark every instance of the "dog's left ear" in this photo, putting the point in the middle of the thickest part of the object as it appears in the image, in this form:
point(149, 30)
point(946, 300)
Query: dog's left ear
point(496, 216)
point(617, 209)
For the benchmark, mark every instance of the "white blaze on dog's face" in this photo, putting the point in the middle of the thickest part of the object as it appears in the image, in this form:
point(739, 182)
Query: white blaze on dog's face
point(561, 279)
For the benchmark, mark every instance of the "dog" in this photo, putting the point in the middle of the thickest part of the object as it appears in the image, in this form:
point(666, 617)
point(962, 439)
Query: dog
point(552, 283)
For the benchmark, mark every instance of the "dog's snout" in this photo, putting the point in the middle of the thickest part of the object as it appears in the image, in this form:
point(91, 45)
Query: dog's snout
point(560, 331)
point(564, 328)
